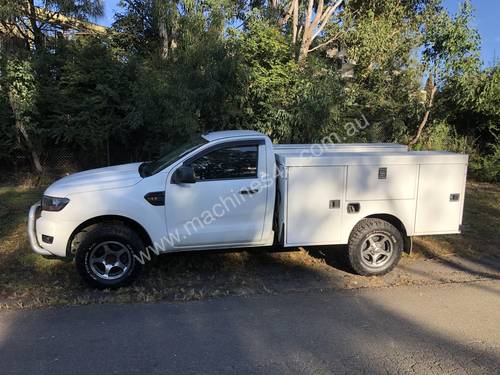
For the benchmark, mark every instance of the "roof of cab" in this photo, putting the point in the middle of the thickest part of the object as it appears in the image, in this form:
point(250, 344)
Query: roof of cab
point(214, 136)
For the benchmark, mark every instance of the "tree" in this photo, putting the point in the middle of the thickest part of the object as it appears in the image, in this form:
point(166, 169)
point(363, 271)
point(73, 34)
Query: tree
point(25, 30)
point(168, 69)
point(450, 55)
point(377, 42)
point(148, 26)
point(20, 85)
point(271, 80)
point(88, 102)
point(308, 22)
point(157, 25)
point(34, 21)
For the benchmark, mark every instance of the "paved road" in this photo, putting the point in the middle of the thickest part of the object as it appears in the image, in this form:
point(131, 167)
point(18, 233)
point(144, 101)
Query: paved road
point(452, 328)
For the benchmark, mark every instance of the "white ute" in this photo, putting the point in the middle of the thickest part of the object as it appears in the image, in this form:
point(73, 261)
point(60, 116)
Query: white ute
point(235, 189)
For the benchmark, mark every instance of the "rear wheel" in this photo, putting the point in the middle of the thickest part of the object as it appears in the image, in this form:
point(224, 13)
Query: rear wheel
point(375, 247)
point(105, 256)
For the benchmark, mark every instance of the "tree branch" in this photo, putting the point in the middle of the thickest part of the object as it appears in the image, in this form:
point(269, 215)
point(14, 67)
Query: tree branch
point(282, 21)
point(426, 116)
point(328, 14)
point(319, 14)
point(309, 12)
point(332, 39)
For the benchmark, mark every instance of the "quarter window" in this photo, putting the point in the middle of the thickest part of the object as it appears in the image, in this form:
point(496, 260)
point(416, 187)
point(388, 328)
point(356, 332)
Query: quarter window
point(227, 163)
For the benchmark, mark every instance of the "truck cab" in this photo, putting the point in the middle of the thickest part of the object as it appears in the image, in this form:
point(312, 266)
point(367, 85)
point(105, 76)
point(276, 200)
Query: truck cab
point(233, 189)
point(222, 195)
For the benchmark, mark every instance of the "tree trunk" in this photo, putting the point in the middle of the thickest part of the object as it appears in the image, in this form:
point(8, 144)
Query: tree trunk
point(307, 33)
point(315, 22)
point(431, 89)
point(304, 48)
point(165, 42)
point(24, 136)
point(27, 141)
point(295, 20)
point(163, 13)
point(37, 35)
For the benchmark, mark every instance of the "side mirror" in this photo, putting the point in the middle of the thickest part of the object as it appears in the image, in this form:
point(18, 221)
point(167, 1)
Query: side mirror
point(184, 175)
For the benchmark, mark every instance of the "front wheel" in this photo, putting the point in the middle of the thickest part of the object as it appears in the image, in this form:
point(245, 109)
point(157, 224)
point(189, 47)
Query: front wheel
point(105, 257)
point(375, 247)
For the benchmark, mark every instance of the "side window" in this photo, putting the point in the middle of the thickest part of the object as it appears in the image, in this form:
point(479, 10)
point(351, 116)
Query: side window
point(227, 163)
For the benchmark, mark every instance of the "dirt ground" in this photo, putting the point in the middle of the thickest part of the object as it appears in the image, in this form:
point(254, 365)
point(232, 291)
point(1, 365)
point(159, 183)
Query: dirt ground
point(28, 280)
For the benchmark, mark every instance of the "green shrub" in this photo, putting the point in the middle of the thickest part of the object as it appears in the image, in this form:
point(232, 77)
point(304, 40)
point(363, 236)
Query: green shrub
point(483, 164)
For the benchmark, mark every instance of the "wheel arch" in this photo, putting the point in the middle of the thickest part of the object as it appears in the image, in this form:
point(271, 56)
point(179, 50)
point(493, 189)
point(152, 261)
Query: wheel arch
point(394, 220)
point(134, 225)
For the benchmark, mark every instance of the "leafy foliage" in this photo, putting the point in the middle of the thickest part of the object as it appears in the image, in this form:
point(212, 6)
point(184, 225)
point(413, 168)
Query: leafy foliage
point(167, 70)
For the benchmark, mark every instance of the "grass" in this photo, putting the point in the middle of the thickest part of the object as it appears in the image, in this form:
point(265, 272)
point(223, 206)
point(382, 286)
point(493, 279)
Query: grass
point(28, 280)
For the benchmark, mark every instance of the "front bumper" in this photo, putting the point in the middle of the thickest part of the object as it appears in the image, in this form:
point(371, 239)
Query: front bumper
point(32, 216)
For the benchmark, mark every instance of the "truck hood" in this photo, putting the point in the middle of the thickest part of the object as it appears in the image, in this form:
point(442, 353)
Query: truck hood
point(118, 176)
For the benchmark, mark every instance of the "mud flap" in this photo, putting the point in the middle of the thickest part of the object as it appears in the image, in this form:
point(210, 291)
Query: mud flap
point(408, 245)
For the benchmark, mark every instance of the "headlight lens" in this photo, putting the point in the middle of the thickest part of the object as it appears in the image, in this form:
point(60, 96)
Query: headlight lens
point(53, 203)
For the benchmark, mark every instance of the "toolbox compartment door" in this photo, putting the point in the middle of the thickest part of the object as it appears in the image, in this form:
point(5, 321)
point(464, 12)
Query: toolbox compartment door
point(440, 198)
point(314, 204)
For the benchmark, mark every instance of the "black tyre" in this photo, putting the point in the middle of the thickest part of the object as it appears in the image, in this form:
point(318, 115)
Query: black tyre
point(105, 256)
point(375, 247)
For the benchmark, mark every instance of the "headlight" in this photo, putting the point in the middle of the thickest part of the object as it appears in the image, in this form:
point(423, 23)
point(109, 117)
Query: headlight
point(53, 203)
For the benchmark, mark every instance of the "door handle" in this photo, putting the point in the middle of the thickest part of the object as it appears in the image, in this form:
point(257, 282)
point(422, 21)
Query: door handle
point(249, 191)
point(353, 208)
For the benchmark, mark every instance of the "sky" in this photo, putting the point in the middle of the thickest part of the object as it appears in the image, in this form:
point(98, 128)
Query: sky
point(487, 14)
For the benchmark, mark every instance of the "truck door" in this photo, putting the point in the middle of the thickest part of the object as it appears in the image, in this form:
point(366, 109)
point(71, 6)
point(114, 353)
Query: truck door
point(226, 204)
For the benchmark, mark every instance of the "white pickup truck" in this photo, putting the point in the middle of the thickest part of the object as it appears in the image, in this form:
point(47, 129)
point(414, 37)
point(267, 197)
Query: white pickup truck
point(235, 189)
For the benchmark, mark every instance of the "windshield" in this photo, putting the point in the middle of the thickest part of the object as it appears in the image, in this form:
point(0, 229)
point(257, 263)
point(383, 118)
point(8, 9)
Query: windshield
point(151, 167)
